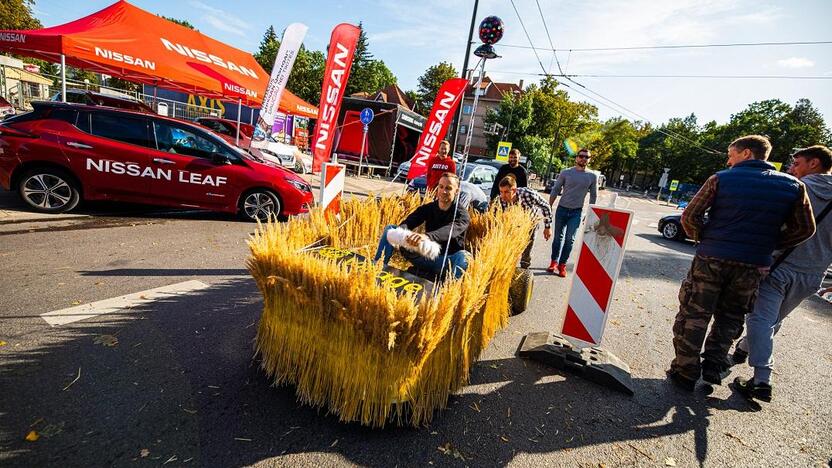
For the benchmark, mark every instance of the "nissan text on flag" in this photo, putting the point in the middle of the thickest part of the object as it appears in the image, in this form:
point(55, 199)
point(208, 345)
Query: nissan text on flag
point(60, 154)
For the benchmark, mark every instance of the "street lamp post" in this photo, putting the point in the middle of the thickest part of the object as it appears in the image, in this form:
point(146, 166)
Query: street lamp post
point(455, 126)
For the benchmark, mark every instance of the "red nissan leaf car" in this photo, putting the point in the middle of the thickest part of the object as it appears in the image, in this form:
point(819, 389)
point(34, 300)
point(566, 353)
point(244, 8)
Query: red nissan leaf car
point(60, 154)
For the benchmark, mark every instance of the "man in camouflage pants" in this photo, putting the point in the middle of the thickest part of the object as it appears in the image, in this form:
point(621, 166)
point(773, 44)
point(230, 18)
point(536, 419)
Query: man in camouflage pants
point(748, 207)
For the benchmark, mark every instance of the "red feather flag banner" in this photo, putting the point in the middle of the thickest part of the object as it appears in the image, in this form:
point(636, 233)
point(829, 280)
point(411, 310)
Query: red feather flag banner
point(338, 63)
point(435, 128)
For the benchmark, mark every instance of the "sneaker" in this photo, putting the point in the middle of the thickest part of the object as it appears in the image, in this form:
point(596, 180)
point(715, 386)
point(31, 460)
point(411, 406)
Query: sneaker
point(680, 380)
point(552, 265)
point(753, 391)
point(713, 373)
point(739, 356)
point(562, 270)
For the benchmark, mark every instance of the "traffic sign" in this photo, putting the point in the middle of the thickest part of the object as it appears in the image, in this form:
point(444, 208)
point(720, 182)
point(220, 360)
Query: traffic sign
point(674, 184)
point(366, 116)
point(777, 165)
point(503, 148)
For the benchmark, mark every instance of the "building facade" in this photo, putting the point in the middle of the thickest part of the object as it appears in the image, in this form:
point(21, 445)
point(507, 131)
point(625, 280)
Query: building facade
point(490, 95)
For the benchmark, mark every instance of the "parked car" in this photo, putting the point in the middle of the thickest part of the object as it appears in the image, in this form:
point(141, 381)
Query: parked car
point(91, 98)
point(475, 174)
point(401, 172)
point(271, 150)
point(6, 109)
point(671, 227)
point(490, 162)
point(60, 154)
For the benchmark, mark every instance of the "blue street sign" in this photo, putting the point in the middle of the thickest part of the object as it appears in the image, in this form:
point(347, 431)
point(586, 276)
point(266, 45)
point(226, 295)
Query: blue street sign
point(366, 116)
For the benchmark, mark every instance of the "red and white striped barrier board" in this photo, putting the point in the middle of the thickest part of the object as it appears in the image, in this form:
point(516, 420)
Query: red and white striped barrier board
point(602, 251)
point(332, 186)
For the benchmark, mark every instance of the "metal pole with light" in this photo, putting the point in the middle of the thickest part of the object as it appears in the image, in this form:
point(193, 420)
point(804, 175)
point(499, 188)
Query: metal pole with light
point(455, 126)
point(491, 31)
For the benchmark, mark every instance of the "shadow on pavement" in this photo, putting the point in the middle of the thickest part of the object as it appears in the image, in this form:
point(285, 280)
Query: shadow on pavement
point(181, 383)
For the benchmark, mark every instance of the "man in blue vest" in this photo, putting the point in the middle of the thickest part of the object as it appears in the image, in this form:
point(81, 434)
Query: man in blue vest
point(752, 210)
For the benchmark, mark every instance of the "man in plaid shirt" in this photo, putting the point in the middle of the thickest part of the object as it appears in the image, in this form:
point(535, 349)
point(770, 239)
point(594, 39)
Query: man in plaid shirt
point(511, 194)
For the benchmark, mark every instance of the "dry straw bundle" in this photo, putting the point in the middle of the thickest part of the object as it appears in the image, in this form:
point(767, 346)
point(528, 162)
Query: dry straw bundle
point(357, 348)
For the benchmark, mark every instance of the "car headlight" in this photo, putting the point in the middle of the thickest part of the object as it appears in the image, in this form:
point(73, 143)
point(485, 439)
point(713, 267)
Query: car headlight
point(300, 185)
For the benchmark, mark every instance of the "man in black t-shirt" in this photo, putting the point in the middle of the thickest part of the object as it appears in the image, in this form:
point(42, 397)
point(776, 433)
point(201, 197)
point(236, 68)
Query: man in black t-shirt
point(514, 168)
point(445, 223)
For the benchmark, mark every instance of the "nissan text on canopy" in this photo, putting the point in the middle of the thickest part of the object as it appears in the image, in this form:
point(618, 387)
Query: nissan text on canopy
point(125, 41)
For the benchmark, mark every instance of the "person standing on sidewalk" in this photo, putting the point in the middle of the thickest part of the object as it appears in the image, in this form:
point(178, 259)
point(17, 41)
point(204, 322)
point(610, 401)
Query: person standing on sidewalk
point(514, 168)
point(576, 182)
point(753, 211)
point(796, 275)
point(529, 200)
point(439, 165)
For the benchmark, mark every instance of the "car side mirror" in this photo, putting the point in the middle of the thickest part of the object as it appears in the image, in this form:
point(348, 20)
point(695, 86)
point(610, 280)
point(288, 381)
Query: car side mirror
point(219, 158)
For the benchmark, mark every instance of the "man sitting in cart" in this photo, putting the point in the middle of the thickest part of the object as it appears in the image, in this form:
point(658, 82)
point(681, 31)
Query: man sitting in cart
point(445, 223)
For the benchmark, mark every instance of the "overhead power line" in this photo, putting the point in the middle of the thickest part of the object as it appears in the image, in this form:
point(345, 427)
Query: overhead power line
point(590, 75)
point(609, 103)
point(680, 46)
point(546, 27)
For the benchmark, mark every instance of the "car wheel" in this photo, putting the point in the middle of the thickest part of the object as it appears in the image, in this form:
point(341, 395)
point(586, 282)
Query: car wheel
point(260, 205)
point(672, 231)
point(49, 190)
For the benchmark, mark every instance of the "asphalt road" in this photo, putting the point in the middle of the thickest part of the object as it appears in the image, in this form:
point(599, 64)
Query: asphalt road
point(172, 382)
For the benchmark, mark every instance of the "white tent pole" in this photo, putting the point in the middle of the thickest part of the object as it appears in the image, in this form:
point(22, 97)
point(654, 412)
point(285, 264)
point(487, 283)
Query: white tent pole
point(63, 78)
point(239, 114)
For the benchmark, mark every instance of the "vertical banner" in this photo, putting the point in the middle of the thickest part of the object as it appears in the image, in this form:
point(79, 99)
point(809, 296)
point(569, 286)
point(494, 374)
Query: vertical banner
point(338, 63)
point(437, 124)
point(283, 63)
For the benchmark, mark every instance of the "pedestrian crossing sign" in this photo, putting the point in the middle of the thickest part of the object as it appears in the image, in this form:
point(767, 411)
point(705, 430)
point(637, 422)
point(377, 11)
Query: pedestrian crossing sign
point(777, 165)
point(674, 184)
point(503, 149)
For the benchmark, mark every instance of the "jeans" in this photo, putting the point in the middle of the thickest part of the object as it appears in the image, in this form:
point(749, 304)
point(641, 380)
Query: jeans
point(456, 262)
point(567, 221)
point(779, 294)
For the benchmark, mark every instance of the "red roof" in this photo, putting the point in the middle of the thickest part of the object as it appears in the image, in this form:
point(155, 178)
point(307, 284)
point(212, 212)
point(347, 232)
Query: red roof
point(494, 91)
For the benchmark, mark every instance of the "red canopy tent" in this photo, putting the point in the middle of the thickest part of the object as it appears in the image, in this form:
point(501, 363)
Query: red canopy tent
point(125, 41)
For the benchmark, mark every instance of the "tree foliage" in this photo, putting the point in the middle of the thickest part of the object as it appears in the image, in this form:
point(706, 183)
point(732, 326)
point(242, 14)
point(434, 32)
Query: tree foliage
point(180, 22)
point(17, 14)
point(430, 82)
point(367, 73)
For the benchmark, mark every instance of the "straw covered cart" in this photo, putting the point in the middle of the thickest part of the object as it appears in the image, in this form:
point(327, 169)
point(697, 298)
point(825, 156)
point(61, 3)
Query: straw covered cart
point(353, 342)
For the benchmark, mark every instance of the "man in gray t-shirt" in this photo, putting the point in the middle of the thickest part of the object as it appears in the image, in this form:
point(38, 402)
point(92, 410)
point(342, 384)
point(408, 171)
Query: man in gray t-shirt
point(576, 183)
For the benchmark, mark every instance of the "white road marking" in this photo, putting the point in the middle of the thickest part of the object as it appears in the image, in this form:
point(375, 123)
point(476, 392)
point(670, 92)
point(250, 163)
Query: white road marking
point(653, 225)
point(106, 306)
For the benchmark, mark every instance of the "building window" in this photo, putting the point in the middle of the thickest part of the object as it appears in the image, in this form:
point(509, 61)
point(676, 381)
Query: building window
point(467, 108)
point(463, 129)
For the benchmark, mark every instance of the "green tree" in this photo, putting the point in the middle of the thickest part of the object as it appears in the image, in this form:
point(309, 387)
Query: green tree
point(430, 82)
point(180, 22)
point(367, 73)
point(267, 52)
point(514, 116)
point(17, 14)
point(307, 75)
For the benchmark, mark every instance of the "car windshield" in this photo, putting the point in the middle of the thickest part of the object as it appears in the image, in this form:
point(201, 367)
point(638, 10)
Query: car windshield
point(469, 168)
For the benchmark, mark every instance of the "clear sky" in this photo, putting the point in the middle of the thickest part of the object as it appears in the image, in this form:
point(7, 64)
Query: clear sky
point(413, 35)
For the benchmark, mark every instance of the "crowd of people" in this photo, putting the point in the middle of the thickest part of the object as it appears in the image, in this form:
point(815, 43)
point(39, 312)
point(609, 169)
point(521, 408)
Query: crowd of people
point(763, 245)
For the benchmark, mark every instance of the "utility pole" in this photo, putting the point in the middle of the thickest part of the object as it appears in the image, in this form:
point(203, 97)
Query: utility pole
point(455, 126)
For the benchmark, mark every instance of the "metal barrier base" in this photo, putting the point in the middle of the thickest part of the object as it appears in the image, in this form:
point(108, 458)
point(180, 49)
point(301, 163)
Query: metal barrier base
point(593, 364)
